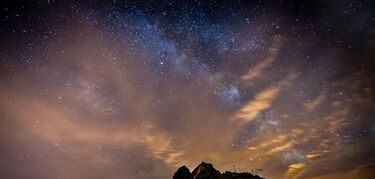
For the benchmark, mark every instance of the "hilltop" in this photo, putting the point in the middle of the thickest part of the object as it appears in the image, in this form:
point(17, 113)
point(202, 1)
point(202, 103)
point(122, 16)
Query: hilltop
point(207, 171)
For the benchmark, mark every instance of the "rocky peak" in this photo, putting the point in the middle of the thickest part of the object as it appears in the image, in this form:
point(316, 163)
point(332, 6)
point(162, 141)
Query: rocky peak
point(207, 171)
point(182, 173)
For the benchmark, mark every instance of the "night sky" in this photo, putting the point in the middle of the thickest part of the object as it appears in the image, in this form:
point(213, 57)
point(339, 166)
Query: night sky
point(133, 90)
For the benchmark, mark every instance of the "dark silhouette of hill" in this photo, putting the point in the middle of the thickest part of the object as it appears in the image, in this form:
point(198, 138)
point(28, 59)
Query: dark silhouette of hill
point(207, 171)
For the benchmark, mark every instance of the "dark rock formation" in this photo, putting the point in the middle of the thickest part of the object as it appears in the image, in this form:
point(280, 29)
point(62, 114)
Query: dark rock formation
point(207, 171)
point(182, 173)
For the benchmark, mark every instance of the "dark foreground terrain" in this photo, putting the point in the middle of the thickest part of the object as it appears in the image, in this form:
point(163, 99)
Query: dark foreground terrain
point(207, 171)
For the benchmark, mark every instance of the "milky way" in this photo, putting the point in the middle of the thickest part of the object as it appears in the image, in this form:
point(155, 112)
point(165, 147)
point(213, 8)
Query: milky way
point(134, 90)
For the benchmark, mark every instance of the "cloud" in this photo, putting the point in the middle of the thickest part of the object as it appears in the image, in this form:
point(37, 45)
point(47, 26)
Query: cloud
point(294, 170)
point(312, 105)
point(262, 101)
point(57, 130)
point(258, 69)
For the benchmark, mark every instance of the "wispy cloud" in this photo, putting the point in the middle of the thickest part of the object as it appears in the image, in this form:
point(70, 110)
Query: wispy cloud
point(262, 101)
point(258, 69)
point(313, 104)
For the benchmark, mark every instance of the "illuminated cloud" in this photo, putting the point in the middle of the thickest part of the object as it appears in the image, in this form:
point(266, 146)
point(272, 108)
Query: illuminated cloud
point(262, 101)
point(311, 105)
point(294, 170)
point(258, 69)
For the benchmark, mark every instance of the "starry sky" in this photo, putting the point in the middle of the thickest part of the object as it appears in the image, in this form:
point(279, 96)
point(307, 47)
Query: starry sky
point(133, 90)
